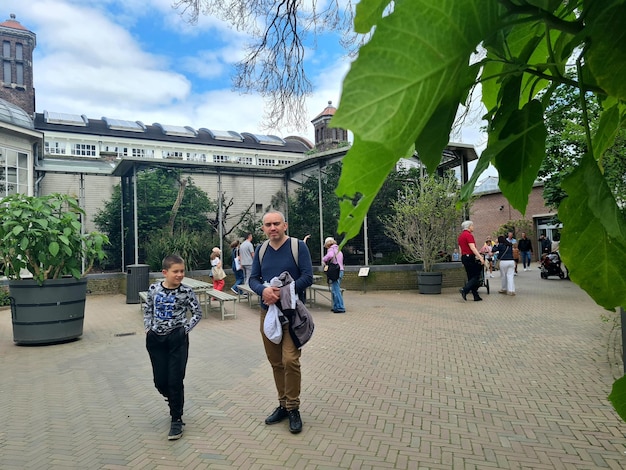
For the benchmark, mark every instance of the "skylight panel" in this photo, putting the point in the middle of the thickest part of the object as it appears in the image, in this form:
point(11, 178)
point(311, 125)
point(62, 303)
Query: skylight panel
point(224, 135)
point(65, 119)
point(267, 139)
point(179, 131)
point(122, 125)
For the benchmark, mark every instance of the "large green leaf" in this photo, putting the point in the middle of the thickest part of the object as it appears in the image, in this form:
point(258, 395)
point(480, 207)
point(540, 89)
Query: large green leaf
point(368, 12)
point(372, 160)
point(518, 162)
point(593, 241)
point(607, 130)
point(607, 54)
point(411, 63)
point(436, 134)
point(618, 397)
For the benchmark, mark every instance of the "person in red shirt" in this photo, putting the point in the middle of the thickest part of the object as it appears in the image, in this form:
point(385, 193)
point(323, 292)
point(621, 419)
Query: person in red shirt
point(472, 261)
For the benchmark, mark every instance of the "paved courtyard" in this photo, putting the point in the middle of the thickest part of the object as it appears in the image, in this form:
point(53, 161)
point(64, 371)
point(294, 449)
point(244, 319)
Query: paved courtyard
point(402, 381)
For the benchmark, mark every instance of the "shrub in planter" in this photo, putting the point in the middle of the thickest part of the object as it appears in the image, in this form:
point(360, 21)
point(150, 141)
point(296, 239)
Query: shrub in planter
point(41, 239)
point(43, 235)
point(424, 222)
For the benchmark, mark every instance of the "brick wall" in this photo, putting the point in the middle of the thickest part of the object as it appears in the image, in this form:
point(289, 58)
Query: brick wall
point(487, 215)
point(399, 277)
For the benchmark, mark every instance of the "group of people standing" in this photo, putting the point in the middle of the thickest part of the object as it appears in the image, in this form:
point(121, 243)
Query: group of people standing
point(507, 251)
point(167, 324)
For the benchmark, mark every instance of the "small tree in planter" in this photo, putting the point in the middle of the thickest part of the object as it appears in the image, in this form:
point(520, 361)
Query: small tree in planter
point(43, 235)
point(425, 221)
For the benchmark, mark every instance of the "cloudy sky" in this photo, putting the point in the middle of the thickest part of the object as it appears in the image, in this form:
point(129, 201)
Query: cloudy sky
point(140, 60)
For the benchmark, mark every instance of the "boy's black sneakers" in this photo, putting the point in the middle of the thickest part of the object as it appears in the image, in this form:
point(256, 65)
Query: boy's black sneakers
point(176, 430)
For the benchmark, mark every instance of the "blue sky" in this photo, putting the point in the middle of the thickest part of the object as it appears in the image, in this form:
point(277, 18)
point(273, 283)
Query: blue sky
point(125, 60)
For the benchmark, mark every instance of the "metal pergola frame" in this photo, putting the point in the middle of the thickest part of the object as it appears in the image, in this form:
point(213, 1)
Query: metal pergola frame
point(455, 155)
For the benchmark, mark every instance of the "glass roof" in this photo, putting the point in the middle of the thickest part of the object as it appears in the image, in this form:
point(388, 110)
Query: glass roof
point(181, 131)
point(224, 135)
point(122, 125)
point(15, 115)
point(65, 119)
point(266, 139)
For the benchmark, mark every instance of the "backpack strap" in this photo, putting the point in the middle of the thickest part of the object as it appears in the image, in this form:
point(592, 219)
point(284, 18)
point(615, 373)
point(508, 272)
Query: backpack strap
point(294, 250)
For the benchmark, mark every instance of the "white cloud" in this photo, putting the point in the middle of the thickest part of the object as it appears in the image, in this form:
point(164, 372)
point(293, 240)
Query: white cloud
point(91, 59)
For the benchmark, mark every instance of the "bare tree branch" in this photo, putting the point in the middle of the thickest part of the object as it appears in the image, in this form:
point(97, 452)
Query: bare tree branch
point(281, 31)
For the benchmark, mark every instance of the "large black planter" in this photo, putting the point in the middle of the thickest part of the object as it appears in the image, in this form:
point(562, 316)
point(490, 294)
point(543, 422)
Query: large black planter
point(429, 283)
point(50, 313)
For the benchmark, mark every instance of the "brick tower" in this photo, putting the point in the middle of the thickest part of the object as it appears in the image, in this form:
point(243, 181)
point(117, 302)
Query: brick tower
point(16, 74)
point(327, 138)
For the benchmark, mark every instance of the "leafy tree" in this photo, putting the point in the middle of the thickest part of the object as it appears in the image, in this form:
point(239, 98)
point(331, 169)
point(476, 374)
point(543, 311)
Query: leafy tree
point(566, 144)
point(380, 242)
point(194, 247)
point(157, 192)
point(424, 219)
point(304, 215)
point(517, 227)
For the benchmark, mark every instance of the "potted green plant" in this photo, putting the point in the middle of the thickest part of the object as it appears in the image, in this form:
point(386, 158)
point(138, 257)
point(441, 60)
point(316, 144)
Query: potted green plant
point(44, 254)
point(424, 222)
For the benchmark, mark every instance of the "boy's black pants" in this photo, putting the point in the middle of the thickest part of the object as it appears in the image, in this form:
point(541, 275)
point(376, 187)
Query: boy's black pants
point(168, 354)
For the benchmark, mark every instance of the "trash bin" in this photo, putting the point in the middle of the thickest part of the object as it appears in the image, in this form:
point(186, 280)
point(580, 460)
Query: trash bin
point(137, 280)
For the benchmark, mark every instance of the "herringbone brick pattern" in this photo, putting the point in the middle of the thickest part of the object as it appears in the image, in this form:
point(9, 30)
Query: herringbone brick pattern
point(402, 381)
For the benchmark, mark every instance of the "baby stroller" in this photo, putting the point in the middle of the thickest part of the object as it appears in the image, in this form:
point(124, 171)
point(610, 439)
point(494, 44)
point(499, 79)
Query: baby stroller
point(551, 265)
point(483, 280)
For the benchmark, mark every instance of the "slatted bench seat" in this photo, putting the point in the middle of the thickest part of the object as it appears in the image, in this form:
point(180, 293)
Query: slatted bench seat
point(222, 298)
point(143, 298)
point(314, 289)
point(251, 295)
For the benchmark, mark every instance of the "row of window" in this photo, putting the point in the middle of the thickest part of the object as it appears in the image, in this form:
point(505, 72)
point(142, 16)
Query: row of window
point(89, 150)
point(6, 50)
point(7, 75)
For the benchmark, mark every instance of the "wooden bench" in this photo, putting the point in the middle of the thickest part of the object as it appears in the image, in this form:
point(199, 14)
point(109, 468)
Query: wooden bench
point(314, 289)
point(209, 295)
point(143, 298)
point(250, 293)
point(222, 298)
point(311, 296)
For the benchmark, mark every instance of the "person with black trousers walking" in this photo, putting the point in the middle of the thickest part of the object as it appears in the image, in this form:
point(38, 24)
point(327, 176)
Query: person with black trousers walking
point(472, 261)
point(167, 336)
point(526, 251)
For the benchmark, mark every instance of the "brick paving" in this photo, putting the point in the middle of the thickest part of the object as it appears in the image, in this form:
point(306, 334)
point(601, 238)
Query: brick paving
point(402, 381)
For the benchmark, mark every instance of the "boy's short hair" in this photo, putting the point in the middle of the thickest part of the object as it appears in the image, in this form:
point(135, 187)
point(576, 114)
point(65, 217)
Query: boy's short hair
point(169, 260)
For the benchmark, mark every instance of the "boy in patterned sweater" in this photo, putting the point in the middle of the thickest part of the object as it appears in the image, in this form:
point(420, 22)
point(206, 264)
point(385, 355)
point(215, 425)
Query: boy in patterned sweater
point(167, 328)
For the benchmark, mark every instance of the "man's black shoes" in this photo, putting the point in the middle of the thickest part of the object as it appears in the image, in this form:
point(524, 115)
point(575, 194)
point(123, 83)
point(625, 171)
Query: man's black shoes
point(463, 293)
point(295, 423)
point(280, 414)
point(277, 416)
